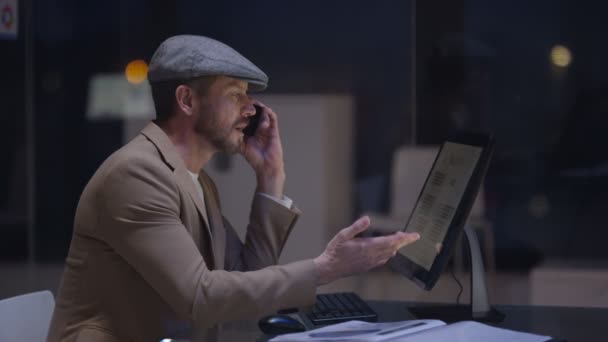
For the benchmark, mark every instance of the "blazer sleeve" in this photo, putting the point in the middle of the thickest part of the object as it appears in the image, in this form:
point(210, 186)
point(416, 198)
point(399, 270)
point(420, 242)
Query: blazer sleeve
point(140, 221)
point(270, 224)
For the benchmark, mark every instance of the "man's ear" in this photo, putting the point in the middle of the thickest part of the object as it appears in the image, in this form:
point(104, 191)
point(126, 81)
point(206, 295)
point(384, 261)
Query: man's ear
point(184, 98)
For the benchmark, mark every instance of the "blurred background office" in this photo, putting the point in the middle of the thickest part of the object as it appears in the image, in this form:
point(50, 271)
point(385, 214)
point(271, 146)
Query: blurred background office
point(356, 84)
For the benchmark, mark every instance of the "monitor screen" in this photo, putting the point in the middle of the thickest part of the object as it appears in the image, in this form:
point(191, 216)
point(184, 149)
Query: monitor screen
point(443, 206)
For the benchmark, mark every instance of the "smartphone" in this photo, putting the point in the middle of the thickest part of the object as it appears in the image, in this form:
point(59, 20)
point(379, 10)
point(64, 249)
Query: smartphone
point(254, 121)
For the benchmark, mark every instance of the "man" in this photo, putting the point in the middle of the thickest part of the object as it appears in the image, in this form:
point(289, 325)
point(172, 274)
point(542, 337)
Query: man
point(151, 251)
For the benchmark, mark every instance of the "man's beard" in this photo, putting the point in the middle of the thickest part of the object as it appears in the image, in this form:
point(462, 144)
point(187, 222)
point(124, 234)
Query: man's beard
point(208, 127)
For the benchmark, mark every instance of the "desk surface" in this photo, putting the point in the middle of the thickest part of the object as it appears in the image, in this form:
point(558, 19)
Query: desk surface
point(573, 324)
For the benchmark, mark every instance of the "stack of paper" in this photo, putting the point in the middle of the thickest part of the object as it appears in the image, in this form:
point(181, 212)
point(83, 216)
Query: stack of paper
point(411, 331)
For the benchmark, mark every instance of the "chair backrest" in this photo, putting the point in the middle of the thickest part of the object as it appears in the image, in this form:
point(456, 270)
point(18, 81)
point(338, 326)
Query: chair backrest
point(26, 317)
point(411, 165)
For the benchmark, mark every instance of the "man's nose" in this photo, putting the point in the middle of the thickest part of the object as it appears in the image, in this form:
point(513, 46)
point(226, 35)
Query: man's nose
point(249, 110)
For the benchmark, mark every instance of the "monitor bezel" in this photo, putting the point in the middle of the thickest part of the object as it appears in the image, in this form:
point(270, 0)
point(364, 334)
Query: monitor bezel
point(418, 274)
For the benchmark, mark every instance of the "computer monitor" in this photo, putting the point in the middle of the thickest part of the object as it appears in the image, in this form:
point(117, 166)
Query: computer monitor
point(443, 207)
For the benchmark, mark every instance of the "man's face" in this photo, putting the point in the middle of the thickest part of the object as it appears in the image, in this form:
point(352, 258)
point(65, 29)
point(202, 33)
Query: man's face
point(222, 113)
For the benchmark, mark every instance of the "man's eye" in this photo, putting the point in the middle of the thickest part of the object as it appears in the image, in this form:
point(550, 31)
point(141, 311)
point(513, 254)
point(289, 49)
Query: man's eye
point(239, 96)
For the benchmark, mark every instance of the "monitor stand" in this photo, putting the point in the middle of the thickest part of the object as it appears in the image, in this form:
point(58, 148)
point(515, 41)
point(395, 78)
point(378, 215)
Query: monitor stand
point(479, 309)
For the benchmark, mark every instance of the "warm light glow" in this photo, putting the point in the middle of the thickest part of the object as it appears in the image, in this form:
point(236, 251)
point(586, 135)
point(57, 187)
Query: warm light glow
point(136, 71)
point(561, 56)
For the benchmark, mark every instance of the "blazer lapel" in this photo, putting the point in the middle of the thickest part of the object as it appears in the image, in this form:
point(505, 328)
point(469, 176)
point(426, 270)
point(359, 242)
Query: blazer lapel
point(168, 153)
point(216, 221)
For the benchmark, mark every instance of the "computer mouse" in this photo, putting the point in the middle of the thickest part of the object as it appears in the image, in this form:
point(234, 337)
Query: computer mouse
point(280, 324)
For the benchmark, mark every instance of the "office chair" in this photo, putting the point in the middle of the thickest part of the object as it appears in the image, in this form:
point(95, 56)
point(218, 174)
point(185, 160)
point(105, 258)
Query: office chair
point(26, 317)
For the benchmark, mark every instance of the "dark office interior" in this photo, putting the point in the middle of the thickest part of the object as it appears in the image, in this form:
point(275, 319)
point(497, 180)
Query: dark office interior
point(531, 73)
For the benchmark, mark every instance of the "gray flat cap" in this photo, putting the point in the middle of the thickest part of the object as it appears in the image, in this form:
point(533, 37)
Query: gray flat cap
point(186, 56)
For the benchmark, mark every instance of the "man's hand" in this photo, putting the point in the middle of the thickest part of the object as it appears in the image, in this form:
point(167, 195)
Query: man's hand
point(264, 153)
point(346, 255)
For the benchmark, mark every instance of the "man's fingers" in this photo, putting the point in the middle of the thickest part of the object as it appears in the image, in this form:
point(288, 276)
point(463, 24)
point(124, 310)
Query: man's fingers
point(393, 241)
point(269, 117)
point(438, 248)
point(406, 239)
point(357, 227)
point(386, 247)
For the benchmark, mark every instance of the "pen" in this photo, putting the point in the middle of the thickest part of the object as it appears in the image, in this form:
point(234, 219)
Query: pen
point(343, 333)
point(403, 327)
point(349, 333)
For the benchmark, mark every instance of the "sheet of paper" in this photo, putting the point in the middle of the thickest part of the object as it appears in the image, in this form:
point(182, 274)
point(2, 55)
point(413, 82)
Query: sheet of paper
point(472, 332)
point(435, 210)
point(360, 331)
point(411, 331)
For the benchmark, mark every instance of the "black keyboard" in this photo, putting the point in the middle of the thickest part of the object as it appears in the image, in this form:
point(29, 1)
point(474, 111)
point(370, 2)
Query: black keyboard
point(331, 308)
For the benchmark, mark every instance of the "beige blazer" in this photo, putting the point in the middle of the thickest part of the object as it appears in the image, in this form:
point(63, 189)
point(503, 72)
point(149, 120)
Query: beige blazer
point(143, 264)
